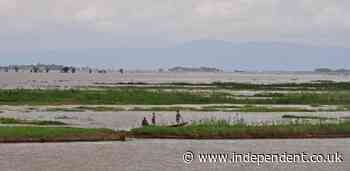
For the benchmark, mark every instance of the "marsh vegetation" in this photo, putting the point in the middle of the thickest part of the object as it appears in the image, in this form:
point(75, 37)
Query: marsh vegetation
point(57, 134)
point(141, 96)
point(221, 129)
point(4, 120)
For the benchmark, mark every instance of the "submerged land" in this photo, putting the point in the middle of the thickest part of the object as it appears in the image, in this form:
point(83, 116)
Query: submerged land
point(30, 134)
point(209, 97)
point(204, 130)
point(112, 109)
point(18, 131)
point(224, 130)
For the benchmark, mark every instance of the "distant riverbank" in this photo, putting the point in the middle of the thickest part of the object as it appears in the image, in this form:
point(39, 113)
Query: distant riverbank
point(219, 129)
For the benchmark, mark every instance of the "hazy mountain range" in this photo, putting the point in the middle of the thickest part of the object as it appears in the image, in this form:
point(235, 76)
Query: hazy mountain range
point(211, 53)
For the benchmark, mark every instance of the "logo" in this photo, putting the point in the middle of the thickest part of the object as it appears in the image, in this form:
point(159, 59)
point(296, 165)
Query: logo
point(188, 157)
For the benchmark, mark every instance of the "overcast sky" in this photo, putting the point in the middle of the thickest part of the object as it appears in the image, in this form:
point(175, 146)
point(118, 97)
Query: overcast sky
point(27, 25)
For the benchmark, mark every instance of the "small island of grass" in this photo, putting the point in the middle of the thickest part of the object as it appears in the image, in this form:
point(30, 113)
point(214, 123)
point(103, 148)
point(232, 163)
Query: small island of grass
point(57, 134)
point(4, 120)
point(225, 130)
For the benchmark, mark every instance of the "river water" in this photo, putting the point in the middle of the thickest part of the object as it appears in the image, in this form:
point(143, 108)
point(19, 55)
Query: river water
point(142, 154)
point(164, 155)
point(156, 154)
point(60, 80)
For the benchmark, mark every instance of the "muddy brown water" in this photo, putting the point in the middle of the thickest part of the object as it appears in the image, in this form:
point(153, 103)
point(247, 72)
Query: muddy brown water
point(157, 154)
point(61, 80)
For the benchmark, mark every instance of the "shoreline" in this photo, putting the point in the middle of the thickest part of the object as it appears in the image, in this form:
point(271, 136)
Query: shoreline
point(34, 134)
point(121, 139)
point(238, 138)
point(124, 138)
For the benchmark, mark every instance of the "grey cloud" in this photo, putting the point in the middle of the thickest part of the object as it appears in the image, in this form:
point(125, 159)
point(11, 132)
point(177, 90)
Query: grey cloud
point(57, 23)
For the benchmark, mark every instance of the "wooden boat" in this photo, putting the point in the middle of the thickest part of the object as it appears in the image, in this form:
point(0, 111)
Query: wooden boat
point(178, 125)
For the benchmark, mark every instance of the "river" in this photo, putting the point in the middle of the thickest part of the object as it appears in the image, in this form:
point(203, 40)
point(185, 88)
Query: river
point(167, 155)
point(59, 80)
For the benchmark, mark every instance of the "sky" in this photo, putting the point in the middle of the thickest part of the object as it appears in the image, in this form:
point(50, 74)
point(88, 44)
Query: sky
point(36, 27)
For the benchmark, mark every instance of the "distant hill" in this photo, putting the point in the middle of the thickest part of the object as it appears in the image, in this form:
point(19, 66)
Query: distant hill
point(323, 70)
point(328, 70)
point(188, 69)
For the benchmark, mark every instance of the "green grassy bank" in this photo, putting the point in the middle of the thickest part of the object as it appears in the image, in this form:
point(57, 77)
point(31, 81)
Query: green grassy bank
point(128, 96)
point(57, 134)
point(224, 130)
point(4, 120)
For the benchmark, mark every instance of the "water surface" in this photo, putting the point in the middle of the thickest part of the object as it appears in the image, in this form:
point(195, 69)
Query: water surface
point(162, 155)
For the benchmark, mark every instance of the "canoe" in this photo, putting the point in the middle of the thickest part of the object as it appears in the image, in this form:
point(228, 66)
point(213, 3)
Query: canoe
point(178, 125)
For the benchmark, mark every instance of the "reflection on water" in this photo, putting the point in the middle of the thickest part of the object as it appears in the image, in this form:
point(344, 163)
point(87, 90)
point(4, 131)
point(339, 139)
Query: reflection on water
point(162, 155)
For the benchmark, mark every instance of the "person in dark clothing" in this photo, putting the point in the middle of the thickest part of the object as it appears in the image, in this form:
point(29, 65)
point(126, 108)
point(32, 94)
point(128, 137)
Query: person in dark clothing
point(178, 117)
point(145, 122)
point(153, 118)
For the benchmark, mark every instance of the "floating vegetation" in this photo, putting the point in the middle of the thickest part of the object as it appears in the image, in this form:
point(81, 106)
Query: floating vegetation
point(57, 134)
point(65, 117)
point(64, 110)
point(4, 120)
point(99, 108)
point(175, 108)
point(307, 117)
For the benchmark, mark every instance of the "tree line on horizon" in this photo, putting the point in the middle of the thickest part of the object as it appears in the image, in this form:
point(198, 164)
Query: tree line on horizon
point(42, 68)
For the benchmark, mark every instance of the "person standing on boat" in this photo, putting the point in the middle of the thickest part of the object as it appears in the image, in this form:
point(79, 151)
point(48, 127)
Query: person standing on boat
point(145, 122)
point(178, 117)
point(153, 118)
